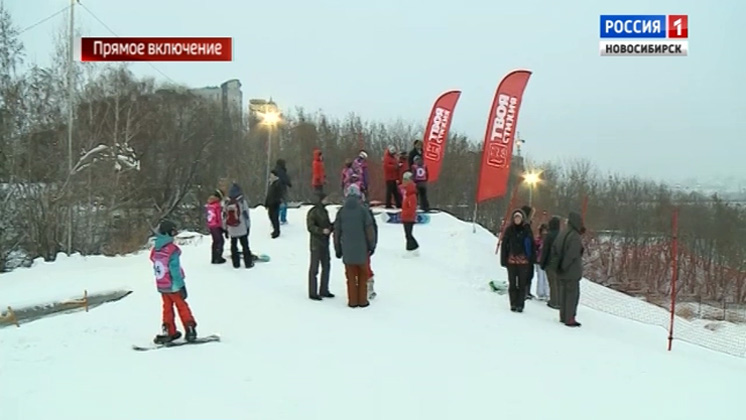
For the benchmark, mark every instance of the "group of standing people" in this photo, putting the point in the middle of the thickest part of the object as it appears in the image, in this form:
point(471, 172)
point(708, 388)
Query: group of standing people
point(354, 232)
point(228, 216)
point(554, 256)
point(396, 165)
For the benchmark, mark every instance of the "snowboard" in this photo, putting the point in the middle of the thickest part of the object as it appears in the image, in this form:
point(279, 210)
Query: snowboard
point(394, 217)
point(499, 287)
point(260, 257)
point(177, 343)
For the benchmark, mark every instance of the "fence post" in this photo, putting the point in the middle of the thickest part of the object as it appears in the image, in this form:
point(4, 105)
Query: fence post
point(674, 270)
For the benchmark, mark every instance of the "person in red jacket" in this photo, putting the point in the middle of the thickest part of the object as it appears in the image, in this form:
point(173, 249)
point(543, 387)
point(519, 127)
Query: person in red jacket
point(318, 177)
point(409, 211)
point(391, 176)
point(403, 167)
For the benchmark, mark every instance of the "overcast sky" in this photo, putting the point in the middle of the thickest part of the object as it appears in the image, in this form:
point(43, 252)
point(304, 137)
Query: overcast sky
point(661, 117)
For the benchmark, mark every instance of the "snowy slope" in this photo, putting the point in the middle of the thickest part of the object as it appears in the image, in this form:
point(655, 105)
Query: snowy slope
point(434, 345)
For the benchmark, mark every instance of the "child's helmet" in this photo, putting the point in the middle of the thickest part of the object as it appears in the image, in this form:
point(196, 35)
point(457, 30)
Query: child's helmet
point(167, 227)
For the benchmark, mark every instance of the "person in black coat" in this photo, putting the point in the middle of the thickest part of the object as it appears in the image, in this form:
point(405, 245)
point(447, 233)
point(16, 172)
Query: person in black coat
point(416, 151)
point(273, 201)
point(529, 212)
point(281, 171)
point(518, 255)
point(554, 230)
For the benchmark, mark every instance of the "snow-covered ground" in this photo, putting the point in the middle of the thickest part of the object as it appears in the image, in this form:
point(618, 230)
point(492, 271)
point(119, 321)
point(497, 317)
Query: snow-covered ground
point(435, 344)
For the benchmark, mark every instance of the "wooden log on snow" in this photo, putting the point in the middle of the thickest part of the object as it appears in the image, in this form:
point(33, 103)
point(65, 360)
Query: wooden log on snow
point(87, 301)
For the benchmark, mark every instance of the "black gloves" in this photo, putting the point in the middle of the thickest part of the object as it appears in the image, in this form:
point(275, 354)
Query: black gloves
point(371, 251)
point(338, 254)
point(225, 233)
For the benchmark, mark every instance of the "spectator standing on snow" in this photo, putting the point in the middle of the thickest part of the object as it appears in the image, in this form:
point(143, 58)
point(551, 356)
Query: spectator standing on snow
point(416, 151)
point(318, 172)
point(546, 252)
point(320, 229)
point(169, 279)
point(403, 167)
point(420, 175)
point(567, 260)
point(371, 276)
point(281, 171)
point(542, 283)
point(215, 215)
point(409, 213)
point(391, 176)
point(517, 255)
point(360, 167)
point(238, 225)
point(529, 212)
point(354, 241)
point(273, 201)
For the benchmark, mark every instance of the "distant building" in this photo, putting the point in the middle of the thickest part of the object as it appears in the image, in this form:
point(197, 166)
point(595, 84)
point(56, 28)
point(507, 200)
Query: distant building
point(230, 97)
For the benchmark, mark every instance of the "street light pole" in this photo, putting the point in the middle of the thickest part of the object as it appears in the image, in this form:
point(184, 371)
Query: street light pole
point(70, 92)
point(269, 157)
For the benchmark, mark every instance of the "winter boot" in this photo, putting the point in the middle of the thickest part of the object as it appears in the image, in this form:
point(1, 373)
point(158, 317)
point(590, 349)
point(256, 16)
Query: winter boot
point(165, 337)
point(191, 333)
point(572, 323)
point(236, 260)
point(248, 259)
point(371, 292)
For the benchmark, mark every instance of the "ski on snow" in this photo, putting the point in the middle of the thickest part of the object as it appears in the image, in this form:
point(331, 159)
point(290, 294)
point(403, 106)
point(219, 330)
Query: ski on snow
point(177, 343)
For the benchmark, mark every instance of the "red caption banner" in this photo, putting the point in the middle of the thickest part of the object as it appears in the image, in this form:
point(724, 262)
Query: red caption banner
point(156, 49)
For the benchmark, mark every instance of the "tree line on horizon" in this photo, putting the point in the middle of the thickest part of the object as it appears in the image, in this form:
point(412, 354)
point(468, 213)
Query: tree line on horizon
point(145, 150)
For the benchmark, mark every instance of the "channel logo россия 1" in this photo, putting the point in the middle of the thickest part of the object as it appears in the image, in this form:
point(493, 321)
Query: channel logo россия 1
point(644, 35)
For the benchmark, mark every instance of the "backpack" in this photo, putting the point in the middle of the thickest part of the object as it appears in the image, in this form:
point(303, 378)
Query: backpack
point(233, 213)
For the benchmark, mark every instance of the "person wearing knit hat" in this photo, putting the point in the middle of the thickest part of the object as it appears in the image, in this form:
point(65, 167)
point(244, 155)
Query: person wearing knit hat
point(273, 201)
point(391, 177)
point(409, 213)
point(320, 229)
point(360, 167)
point(215, 216)
point(354, 242)
point(529, 212)
point(517, 254)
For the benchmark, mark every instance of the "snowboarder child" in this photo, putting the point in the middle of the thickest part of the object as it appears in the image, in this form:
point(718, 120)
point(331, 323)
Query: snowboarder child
point(409, 213)
point(216, 226)
point(169, 279)
point(238, 224)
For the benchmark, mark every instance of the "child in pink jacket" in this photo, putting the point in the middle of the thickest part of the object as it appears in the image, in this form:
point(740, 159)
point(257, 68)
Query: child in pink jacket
point(216, 225)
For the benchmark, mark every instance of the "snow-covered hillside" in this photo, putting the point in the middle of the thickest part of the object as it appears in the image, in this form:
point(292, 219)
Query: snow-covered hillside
point(435, 344)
